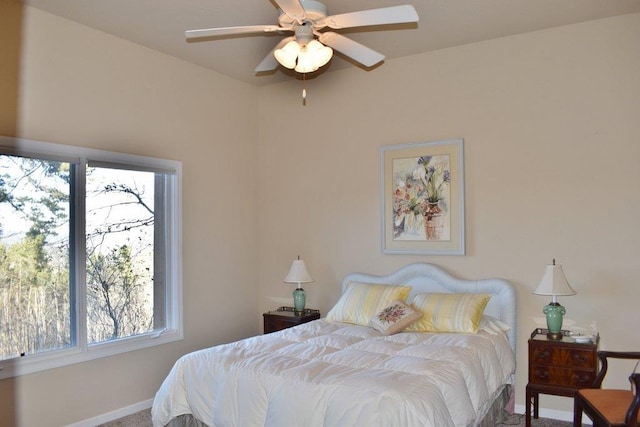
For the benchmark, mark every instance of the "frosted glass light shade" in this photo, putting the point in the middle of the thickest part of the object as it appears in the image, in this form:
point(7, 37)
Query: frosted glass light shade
point(305, 62)
point(287, 54)
point(321, 53)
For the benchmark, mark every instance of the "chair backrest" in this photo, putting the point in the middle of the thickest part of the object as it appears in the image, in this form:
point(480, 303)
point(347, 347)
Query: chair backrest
point(603, 355)
point(632, 414)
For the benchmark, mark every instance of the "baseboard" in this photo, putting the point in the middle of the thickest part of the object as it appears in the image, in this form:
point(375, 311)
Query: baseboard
point(553, 414)
point(114, 415)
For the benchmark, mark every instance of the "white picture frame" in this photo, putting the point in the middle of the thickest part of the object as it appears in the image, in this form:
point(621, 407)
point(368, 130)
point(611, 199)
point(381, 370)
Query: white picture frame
point(422, 198)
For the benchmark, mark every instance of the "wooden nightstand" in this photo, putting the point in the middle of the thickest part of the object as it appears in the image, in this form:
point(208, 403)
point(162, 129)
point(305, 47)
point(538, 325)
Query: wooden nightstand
point(286, 317)
point(558, 367)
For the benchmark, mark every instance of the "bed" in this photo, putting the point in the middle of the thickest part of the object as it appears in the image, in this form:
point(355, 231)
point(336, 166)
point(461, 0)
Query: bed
point(337, 371)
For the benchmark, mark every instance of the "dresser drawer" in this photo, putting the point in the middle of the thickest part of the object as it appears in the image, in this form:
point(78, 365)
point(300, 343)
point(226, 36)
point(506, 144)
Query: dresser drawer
point(542, 354)
point(565, 377)
point(277, 324)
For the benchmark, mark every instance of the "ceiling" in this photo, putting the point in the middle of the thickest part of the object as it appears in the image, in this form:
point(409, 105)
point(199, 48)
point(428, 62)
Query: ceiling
point(160, 25)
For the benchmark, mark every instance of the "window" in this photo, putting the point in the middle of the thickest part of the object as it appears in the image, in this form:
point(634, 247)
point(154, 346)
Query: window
point(89, 254)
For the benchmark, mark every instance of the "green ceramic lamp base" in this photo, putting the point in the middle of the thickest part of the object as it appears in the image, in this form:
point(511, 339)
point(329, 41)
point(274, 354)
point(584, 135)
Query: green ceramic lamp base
point(299, 299)
point(554, 312)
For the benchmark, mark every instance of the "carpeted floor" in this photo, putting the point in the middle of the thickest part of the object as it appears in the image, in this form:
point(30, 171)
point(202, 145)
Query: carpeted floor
point(139, 419)
point(518, 420)
point(143, 419)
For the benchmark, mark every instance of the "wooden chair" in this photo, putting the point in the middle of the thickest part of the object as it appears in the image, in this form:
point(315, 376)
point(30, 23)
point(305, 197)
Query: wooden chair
point(609, 407)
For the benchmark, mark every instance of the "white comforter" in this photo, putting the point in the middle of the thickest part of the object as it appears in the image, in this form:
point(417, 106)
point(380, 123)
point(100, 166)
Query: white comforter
point(335, 374)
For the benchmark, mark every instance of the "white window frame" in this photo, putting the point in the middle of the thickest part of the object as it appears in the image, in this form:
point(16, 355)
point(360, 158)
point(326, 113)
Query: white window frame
point(82, 351)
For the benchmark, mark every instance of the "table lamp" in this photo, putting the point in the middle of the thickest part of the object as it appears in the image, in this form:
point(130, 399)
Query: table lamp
point(298, 274)
point(554, 283)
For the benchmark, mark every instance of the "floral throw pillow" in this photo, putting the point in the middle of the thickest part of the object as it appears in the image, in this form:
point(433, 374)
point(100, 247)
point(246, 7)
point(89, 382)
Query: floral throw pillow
point(394, 318)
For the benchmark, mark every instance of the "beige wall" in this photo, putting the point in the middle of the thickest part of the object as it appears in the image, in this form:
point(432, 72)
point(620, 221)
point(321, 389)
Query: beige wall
point(551, 123)
point(83, 87)
point(10, 38)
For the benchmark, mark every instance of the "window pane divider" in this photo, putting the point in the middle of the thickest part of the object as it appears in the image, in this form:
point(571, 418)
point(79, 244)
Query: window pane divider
point(80, 259)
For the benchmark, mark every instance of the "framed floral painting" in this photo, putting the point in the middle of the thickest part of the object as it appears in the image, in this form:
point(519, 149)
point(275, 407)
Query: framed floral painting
point(422, 198)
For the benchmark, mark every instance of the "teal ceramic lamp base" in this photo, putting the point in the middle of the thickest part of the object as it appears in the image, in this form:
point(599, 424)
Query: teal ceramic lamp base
point(554, 312)
point(299, 299)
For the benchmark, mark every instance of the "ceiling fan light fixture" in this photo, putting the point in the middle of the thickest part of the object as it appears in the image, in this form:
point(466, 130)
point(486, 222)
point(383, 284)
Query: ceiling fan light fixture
point(287, 54)
point(311, 56)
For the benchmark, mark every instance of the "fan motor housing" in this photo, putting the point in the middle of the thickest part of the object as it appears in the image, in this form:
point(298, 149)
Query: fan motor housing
point(313, 9)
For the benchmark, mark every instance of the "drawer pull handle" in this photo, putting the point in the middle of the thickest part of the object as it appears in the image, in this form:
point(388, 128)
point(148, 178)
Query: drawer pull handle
point(579, 357)
point(543, 354)
point(583, 379)
point(543, 374)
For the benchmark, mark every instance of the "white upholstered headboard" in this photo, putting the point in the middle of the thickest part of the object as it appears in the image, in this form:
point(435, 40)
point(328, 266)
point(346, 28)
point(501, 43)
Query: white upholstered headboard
point(423, 277)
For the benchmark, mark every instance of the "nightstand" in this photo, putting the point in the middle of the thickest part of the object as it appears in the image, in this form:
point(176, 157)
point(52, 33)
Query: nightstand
point(286, 317)
point(558, 367)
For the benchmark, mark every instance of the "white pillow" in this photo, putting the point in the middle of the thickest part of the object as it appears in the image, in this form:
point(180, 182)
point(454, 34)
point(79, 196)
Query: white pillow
point(493, 325)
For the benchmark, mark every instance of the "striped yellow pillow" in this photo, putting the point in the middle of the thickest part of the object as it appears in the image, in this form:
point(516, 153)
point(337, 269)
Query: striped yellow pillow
point(361, 301)
point(449, 312)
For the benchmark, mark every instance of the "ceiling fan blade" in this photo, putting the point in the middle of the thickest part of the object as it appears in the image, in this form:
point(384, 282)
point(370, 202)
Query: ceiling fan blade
point(269, 63)
point(228, 31)
point(352, 49)
point(382, 16)
point(293, 9)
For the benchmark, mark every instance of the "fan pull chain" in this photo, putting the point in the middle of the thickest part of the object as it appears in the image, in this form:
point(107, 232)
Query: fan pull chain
point(304, 90)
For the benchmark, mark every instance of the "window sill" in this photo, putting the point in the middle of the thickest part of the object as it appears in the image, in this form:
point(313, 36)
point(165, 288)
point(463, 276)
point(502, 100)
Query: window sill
point(57, 358)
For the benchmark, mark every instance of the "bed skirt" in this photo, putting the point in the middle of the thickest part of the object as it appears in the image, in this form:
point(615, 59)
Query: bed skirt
point(494, 416)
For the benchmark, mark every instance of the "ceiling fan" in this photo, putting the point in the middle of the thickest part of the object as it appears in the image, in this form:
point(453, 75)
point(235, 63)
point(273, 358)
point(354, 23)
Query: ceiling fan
point(308, 20)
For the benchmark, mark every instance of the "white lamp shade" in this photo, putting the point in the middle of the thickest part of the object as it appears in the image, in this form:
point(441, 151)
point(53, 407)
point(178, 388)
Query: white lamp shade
point(324, 56)
point(554, 282)
point(288, 54)
point(298, 273)
point(305, 62)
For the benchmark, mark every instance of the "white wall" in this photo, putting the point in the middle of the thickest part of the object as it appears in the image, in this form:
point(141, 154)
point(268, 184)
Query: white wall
point(551, 122)
point(79, 86)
